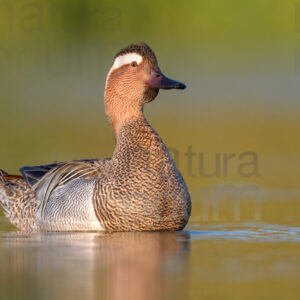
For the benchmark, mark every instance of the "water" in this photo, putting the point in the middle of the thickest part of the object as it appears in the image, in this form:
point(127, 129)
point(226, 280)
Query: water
point(249, 261)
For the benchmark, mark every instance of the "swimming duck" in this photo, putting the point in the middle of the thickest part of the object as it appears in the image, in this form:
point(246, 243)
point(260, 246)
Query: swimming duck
point(138, 189)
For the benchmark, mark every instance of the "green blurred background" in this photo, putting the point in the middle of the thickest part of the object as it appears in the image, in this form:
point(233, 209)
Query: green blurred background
point(239, 59)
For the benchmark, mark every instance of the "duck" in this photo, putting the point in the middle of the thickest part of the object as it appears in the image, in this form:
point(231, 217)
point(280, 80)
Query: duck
point(138, 189)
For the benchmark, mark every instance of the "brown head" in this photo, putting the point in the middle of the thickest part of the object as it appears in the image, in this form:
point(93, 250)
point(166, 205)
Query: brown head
point(133, 80)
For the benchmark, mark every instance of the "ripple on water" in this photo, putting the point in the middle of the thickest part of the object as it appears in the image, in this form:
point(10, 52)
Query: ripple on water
point(247, 232)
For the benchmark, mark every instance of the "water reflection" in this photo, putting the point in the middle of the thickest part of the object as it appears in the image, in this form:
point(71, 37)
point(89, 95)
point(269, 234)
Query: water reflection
point(89, 265)
point(206, 261)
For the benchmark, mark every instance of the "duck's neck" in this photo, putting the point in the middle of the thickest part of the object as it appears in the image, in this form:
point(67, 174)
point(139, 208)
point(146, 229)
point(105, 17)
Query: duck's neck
point(139, 143)
point(120, 111)
point(136, 136)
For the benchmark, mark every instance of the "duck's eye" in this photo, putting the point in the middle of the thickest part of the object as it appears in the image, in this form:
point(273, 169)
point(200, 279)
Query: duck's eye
point(134, 64)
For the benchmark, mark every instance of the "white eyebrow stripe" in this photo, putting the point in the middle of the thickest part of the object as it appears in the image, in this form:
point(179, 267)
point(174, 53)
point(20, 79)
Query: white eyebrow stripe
point(124, 60)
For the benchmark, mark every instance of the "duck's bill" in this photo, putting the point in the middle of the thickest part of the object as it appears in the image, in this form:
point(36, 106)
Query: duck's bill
point(159, 81)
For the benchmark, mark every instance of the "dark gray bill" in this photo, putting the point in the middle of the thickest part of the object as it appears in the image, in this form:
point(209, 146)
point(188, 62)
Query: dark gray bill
point(159, 81)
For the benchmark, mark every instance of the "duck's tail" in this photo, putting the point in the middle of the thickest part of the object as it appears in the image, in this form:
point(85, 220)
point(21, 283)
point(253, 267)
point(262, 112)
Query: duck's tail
point(3, 195)
point(18, 201)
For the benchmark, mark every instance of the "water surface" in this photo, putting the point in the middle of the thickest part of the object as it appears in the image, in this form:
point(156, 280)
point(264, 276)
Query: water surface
point(250, 261)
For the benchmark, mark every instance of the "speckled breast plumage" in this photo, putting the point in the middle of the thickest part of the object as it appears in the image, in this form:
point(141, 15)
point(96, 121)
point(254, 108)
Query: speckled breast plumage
point(143, 190)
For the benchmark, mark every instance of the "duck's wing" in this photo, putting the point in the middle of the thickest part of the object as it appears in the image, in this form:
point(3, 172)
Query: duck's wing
point(63, 173)
point(34, 174)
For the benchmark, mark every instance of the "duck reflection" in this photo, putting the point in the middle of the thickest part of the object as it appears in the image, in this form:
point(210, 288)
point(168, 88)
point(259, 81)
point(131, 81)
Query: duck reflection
point(92, 265)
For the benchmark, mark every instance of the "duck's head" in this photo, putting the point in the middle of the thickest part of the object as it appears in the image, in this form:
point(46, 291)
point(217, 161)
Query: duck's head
point(133, 80)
